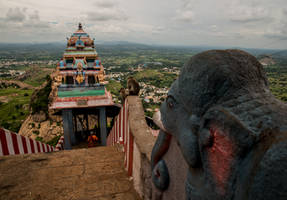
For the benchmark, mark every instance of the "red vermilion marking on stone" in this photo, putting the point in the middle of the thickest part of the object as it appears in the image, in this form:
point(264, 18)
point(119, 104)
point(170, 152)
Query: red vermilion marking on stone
point(220, 157)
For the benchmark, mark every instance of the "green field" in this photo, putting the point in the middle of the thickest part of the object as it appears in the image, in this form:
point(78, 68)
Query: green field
point(14, 102)
point(15, 111)
point(277, 77)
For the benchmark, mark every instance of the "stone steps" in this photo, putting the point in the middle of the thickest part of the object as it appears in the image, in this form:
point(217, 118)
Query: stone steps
point(94, 173)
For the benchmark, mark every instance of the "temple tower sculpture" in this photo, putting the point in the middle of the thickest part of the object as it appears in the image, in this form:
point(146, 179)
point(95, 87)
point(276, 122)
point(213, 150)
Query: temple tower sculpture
point(80, 89)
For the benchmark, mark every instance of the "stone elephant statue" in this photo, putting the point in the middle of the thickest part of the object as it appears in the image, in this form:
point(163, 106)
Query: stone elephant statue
point(231, 131)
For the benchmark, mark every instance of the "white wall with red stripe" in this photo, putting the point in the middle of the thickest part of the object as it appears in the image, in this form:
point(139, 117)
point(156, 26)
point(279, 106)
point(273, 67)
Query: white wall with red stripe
point(120, 134)
point(137, 139)
point(13, 144)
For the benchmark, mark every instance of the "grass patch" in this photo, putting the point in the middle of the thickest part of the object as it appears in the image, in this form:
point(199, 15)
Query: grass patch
point(54, 141)
point(277, 77)
point(114, 87)
point(40, 139)
point(36, 132)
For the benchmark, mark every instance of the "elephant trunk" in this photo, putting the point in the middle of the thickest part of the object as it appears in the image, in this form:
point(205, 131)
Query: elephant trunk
point(160, 175)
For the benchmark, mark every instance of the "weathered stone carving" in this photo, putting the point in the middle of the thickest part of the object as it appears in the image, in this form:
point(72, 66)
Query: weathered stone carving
point(232, 132)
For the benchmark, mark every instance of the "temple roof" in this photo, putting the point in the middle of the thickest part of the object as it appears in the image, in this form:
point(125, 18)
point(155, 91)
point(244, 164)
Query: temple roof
point(80, 39)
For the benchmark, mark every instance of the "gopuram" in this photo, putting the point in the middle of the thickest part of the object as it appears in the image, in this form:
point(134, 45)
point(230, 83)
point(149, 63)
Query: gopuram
point(80, 91)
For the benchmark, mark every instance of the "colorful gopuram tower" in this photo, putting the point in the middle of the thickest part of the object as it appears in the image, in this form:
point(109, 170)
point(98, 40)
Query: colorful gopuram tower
point(79, 88)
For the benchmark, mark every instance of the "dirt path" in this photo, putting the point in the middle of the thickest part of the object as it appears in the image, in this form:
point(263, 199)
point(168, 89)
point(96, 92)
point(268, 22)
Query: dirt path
point(82, 174)
point(19, 83)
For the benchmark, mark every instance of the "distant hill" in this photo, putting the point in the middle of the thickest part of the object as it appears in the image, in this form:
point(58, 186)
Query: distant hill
point(26, 51)
point(54, 51)
point(280, 57)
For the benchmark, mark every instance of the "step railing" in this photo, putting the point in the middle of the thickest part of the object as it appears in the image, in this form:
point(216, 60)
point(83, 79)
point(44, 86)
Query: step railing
point(60, 144)
point(120, 134)
point(13, 144)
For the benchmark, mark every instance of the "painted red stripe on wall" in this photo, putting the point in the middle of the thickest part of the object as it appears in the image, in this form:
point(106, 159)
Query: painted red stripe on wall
point(32, 146)
point(38, 146)
point(43, 147)
point(4, 142)
point(24, 144)
point(15, 143)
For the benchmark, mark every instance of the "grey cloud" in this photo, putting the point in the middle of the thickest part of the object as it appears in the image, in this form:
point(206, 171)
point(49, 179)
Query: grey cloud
point(279, 30)
point(25, 20)
point(35, 15)
point(106, 15)
point(16, 15)
point(184, 16)
point(280, 35)
point(105, 4)
point(102, 16)
point(246, 14)
point(36, 24)
point(185, 13)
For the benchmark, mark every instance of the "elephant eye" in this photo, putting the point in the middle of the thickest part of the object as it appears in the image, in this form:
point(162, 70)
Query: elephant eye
point(170, 102)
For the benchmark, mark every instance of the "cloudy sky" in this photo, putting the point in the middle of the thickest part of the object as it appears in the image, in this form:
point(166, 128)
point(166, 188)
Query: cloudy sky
point(232, 23)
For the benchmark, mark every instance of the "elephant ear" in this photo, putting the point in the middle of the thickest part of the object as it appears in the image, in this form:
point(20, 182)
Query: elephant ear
point(223, 142)
point(271, 174)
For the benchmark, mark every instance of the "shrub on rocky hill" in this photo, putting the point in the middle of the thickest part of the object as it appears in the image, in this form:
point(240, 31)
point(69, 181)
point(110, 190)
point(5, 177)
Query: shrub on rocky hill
point(40, 98)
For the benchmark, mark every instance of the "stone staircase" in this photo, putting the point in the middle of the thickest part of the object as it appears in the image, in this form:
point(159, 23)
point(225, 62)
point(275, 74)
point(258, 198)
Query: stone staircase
point(81, 174)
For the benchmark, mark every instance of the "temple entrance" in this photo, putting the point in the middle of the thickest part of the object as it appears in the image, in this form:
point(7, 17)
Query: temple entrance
point(80, 123)
point(91, 80)
point(69, 80)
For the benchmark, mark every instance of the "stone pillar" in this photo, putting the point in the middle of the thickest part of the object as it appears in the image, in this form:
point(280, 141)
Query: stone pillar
point(69, 134)
point(87, 122)
point(103, 125)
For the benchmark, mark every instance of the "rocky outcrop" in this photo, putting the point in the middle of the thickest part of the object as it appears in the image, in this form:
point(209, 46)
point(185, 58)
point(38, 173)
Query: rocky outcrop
point(266, 60)
point(39, 117)
point(44, 130)
point(42, 124)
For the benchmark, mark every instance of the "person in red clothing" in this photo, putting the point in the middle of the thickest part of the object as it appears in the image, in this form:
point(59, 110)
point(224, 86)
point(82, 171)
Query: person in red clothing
point(92, 140)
